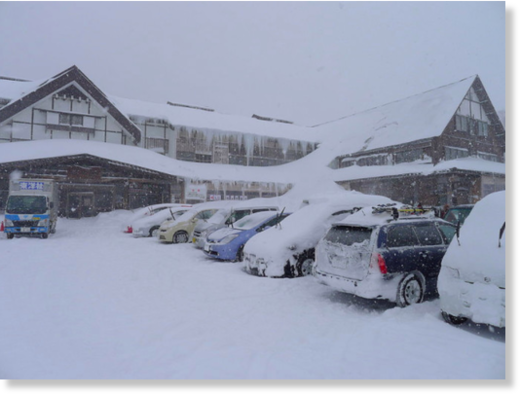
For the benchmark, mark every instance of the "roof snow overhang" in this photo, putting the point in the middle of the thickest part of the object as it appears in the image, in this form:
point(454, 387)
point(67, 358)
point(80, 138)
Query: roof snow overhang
point(72, 74)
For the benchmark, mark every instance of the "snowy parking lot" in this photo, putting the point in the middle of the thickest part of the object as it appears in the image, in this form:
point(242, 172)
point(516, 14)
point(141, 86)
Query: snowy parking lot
point(92, 302)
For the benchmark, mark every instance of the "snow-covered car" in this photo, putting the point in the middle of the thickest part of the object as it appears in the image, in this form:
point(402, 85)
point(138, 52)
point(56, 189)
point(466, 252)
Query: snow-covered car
point(385, 253)
point(148, 211)
point(289, 251)
point(148, 226)
point(472, 281)
point(228, 243)
point(181, 229)
point(225, 217)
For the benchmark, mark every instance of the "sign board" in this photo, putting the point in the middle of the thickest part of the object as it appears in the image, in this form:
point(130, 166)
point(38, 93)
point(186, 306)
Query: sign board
point(196, 192)
point(28, 185)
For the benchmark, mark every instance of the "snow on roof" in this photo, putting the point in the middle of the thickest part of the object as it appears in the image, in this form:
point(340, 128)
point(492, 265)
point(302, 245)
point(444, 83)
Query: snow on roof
point(469, 164)
point(212, 120)
point(39, 149)
point(414, 118)
point(15, 89)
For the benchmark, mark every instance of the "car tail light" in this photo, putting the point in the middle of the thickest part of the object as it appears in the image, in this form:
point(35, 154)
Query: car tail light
point(378, 260)
point(129, 230)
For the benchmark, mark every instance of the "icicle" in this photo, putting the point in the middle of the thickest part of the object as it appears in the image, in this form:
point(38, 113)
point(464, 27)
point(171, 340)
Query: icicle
point(284, 144)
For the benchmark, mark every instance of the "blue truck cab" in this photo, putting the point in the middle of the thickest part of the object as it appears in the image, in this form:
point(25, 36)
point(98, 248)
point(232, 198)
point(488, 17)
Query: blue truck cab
point(31, 208)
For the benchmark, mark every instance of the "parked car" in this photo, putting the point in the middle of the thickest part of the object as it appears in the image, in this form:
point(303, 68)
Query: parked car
point(225, 217)
point(472, 280)
point(181, 229)
point(148, 226)
point(289, 251)
point(393, 254)
point(458, 213)
point(228, 243)
point(148, 211)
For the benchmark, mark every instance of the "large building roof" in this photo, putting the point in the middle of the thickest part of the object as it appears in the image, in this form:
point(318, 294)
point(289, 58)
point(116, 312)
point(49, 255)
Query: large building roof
point(417, 117)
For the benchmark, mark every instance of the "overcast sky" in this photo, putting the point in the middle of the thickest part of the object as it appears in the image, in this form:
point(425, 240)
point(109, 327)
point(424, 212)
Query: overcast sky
point(301, 61)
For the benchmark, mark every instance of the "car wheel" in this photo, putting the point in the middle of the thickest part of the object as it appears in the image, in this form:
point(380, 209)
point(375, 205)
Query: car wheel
point(240, 254)
point(44, 235)
point(305, 263)
point(154, 231)
point(453, 320)
point(180, 237)
point(410, 290)
point(10, 235)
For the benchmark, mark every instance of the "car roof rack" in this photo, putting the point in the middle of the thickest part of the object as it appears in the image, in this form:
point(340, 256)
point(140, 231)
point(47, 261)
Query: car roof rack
point(404, 211)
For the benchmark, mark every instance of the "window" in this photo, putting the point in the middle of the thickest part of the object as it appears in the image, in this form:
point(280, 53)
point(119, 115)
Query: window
point(487, 156)
point(70, 119)
point(455, 152)
point(373, 160)
point(448, 232)
point(428, 235)
point(347, 235)
point(408, 156)
point(399, 236)
point(461, 123)
point(471, 125)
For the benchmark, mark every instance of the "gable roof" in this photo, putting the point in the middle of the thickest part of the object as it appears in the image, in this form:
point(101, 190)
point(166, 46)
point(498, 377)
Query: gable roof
point(34, 92)
point(418, 117)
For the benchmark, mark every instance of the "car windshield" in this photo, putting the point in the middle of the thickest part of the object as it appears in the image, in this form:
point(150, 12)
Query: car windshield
point(348, 235)
point(219, 216)
point(252, 221)
point(457, 214)
point(28, 204)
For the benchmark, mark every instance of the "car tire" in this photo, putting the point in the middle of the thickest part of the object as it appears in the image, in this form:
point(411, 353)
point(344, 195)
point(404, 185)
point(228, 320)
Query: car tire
point(411, 289)
point(10, 235)
point(180, 237)
point(240, 254)
point(44, 235)
point(453, 320)
point(154, 232)
point(305, 263)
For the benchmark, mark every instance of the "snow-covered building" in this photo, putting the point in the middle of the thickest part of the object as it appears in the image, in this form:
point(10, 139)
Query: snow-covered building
point(455, 128)
point(70, 106)
point(446, 145)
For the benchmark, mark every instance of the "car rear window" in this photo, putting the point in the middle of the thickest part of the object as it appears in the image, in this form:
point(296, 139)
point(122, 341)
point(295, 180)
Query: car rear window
point(348, 235)
point(401, 235)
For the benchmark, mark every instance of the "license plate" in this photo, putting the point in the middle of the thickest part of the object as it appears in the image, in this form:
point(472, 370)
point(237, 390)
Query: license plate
point(206, 247)
point(25, 229)
point(194, 240)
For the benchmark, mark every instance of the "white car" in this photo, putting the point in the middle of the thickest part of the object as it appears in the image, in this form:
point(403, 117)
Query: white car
point(472, 280)
point(288, 251)
point(148, 211)
point(148, 226)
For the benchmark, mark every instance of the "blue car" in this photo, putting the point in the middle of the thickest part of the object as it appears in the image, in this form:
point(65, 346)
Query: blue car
point(228, 243)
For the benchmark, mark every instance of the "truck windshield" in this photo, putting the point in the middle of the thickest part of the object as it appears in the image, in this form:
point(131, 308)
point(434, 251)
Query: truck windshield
point(26, 204)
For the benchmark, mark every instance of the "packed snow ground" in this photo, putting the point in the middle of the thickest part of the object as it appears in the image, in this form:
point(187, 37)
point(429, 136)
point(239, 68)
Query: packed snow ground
point(91, 302)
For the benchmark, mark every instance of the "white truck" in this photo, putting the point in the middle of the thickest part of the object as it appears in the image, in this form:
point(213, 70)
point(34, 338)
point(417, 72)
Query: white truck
point(32, 208)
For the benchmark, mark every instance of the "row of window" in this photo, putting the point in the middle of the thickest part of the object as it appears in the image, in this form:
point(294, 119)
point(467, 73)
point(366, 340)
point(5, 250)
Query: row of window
point(413, 155)
point(470, 125)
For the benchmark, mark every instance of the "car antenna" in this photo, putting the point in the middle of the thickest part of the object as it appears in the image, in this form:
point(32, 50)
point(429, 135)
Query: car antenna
point(502, 229)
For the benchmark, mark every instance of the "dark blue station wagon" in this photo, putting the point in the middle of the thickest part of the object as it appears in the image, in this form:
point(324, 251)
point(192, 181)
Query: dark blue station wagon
point(375, 257)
